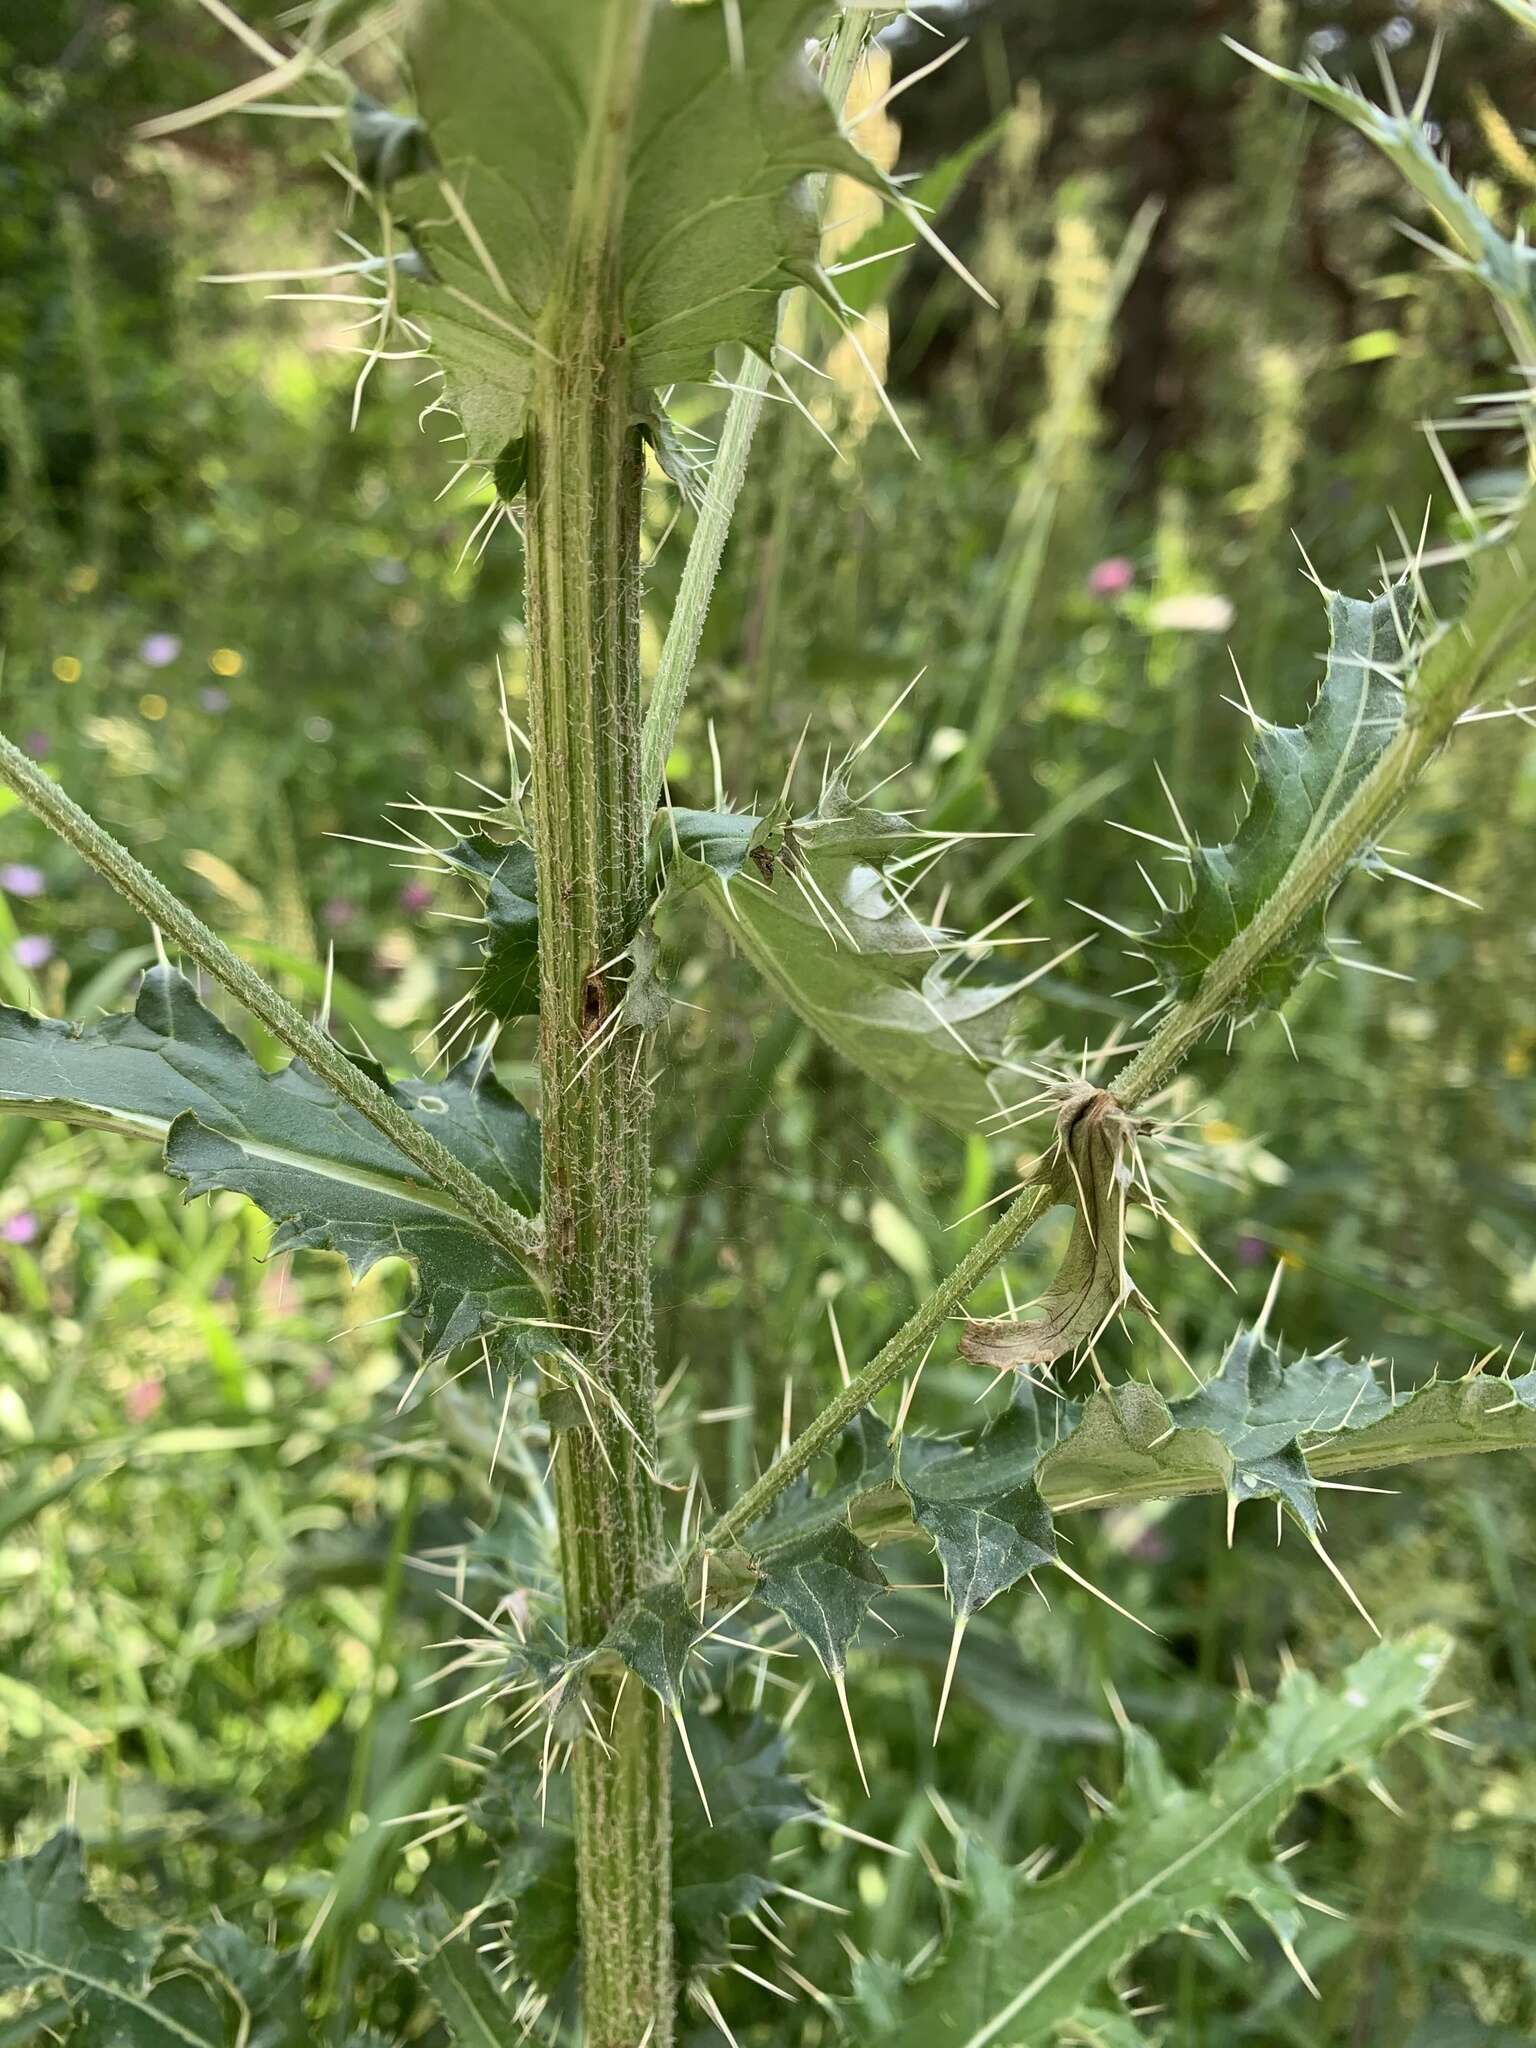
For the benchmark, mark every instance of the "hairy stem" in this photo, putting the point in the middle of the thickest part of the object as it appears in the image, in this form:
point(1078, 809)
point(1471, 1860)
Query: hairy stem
point(585, 470)
point(478, 1203)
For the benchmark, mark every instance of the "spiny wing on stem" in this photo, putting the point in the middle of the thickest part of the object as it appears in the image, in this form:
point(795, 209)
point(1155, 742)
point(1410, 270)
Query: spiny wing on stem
point(1303, 776)
point(170, 1070)
point(718, 1871)
point(1023, 1959)
point(716, 222)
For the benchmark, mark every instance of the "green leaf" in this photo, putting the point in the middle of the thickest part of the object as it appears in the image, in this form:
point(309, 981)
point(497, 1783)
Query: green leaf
point(1262, 1429)
point(1088, 1170)
point(654, 1635)
point(505, 878)
point(1023, 1960)
point(813, 903)
point(727, 1868)
point(716, 222)
point(1259, 1409)
point(718, 1871)
point(1504, 266)
point(50, 1930)
point(473, 2008)
point(1304, 776)
point(170, 1070)
point(51, 1934)
point(980, 1504)
point(823, 1585)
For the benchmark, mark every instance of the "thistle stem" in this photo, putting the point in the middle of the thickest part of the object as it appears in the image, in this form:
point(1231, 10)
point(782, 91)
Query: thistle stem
point(585, 471)
point(515, 1234)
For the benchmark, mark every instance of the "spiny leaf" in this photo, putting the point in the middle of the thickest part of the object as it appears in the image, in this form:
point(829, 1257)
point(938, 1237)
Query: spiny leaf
point(1263, 1434)
point(727, 1868)
point(473, 2007)
point(814, 904)
point(1087, 1169)
point(170, 1070)
point(716, 225)
point(653, 1635)
point(1259, 1429)
point(978, 1501)
point(823, 1585)
point(717, 1872)
point(505, 876)
point(1507, 268)
point(1304, 775)
point(1259, 1409)
point(1024, 1959)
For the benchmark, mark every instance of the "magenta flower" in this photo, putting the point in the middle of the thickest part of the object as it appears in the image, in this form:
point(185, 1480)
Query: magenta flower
point(1252, 1251)
point(415, 895)
point(159, 650)
point(36, 744)
point(1113, 576)
point(18, 878)
point(337, 913)
point(22, 1228)
point(33, 951)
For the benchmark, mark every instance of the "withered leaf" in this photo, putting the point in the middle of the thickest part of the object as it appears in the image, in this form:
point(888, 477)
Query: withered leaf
point(1086, 1168)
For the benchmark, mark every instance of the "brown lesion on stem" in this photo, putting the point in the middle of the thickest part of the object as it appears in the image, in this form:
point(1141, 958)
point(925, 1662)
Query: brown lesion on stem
point(596, 1006)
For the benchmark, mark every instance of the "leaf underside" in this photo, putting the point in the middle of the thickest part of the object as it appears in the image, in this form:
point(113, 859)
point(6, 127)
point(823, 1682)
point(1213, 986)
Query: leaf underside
point(717, 222)
point(170, 1070)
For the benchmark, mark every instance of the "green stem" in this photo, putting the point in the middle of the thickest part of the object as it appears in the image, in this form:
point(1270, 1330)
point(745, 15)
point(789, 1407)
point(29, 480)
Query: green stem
point(585, 470)
point(479, 1204)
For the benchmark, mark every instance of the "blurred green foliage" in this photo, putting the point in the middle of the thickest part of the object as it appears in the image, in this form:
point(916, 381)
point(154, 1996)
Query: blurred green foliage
point(242, 628)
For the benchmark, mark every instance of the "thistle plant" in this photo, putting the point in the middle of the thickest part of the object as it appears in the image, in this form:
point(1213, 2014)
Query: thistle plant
point(649, 207)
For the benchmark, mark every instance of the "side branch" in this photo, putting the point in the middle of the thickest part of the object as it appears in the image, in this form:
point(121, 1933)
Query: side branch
point(1474, 653)
point(910, 1341)
point(480, 1204)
